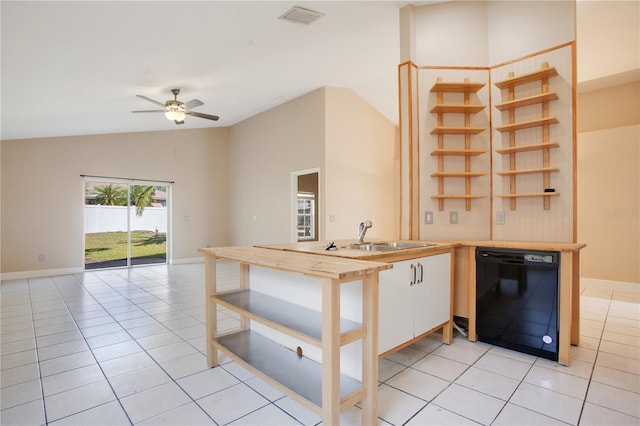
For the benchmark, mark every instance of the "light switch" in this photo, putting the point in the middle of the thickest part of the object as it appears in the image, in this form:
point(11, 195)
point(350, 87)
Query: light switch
point(500, 217)
point(428, 218)
point(453, 218)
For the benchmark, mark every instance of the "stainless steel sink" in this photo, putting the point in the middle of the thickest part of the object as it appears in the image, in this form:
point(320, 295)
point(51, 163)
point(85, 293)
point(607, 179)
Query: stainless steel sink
point(387, 246)
point(403, 244)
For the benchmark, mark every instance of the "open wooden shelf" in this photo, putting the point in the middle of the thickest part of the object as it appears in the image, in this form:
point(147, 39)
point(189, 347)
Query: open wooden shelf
point(528, 194)
point(530, 147)
point(295, 320)
point(528, 171)
point(457, 174)
point(457, 130)
point(468, 109)
point(527, 124)
point(527, 78)
point(512, 127)
point(457, 108)
point(457, 196)
point(461, 152)
point(530, 100)
point(299, 377)
point(457, 87)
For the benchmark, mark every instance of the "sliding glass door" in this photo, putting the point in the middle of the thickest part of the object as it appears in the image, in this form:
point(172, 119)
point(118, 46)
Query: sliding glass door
point(126, 222)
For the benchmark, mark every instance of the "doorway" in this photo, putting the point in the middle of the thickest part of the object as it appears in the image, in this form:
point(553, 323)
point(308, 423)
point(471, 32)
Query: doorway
point(306, 202)
point(126, 222)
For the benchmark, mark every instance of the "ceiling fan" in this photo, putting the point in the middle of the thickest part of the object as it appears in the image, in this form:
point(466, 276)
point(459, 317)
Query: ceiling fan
point(175, 110)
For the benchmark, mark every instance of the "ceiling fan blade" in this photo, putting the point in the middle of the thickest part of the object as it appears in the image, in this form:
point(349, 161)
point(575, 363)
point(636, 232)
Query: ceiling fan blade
point(194, 103)
point(151, 110)
point(150, 100)
point(199, 114)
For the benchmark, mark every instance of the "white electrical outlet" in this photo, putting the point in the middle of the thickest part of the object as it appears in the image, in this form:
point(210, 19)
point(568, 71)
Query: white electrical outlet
point(41, 258)
point(428, 218)
point(500, 217)
point(453, 217)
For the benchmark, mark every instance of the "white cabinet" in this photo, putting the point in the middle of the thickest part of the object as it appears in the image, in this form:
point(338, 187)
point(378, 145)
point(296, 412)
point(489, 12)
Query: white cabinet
point(414, 298)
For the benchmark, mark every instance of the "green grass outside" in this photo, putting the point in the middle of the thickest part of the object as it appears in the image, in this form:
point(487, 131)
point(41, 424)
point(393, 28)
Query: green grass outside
point(103, 246)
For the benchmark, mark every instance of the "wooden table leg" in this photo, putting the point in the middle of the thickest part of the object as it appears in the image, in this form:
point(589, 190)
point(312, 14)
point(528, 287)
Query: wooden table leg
point(211, 309)
point(330, 352)
point(370, 349)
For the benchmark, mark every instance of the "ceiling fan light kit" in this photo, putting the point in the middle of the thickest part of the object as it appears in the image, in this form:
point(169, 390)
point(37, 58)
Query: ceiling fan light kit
point(176, 110)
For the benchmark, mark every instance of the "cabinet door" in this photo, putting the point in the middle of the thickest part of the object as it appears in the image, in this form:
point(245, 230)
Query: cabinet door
point(432, 297)
point(395, 306)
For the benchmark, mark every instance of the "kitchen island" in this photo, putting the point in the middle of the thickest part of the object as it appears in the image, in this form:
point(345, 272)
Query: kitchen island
point(270, 325)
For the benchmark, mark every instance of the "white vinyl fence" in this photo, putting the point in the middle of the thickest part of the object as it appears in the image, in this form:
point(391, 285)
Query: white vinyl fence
point(114, 219)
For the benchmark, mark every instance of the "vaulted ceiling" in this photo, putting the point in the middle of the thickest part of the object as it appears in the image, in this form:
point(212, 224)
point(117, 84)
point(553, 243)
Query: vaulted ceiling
point(74, 67)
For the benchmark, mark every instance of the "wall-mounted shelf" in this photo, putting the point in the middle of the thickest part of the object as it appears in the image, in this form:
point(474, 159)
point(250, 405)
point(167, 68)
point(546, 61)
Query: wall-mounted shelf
point(529, 100)
point(528, 171)
point(457, 108)
point(526, 124)
point(512, 127)
point(458, 152)
point(540, 75)
point(528, 194)
point(457, 130)
point(467, 109)
point(457, 174)
point(531, 147)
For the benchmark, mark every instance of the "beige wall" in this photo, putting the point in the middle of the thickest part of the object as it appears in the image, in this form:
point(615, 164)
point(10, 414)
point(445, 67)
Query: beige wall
point(265, 149)
point(609, 182)
point(42, 191)
point(360, 168)
point(331, 129)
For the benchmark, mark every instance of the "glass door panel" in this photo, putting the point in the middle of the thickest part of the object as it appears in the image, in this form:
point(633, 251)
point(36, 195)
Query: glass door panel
point(106, 237)
point(148, 222)
point(125, 223)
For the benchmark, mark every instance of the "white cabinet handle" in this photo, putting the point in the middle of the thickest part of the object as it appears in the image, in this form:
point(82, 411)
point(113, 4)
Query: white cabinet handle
point(413, 278)
point(421, 273)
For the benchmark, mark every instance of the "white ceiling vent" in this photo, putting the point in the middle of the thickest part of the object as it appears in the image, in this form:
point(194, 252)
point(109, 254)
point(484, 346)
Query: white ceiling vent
point(301, 15)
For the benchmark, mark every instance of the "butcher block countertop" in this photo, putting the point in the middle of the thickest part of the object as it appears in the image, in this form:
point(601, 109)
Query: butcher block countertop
point(303, 263)
point(525, 245)
point(318, 247)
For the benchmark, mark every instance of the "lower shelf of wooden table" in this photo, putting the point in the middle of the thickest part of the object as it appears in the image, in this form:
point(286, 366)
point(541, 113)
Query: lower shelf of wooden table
point(298, 377)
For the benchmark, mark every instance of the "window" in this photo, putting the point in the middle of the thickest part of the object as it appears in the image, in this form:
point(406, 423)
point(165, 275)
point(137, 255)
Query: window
point(306, 216)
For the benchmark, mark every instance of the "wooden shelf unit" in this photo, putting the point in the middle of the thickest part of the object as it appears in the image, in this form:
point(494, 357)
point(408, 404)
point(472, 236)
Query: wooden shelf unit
point(320, 387)
point(467, 109)
point(543, 75)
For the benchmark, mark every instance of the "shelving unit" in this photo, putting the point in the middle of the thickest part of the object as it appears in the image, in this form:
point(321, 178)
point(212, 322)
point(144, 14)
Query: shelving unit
point(467, 109)
point(543, 75)
point(318, 386)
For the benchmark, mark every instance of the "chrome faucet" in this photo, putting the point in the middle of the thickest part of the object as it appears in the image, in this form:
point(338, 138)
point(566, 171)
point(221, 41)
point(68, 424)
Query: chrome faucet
point(362, 229)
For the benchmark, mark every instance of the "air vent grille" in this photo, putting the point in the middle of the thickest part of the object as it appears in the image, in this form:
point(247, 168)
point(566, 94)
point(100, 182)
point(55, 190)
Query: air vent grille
point(301, 15)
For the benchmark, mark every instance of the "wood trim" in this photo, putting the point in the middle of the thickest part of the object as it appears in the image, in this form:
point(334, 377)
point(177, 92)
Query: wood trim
point(575, 299)
point(447, 329)
point(574, 124)
point(531, 55)
point(565, 305)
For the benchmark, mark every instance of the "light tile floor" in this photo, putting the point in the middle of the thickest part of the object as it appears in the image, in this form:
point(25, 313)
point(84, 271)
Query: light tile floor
point(124, 347)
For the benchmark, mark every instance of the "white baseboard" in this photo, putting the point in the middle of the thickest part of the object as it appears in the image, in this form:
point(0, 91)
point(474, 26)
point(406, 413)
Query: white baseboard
point(6, 276)
point(616, 285)
point(199, 259)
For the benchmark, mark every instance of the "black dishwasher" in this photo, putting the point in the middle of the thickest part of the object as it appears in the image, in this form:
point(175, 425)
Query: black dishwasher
point(517, 300)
